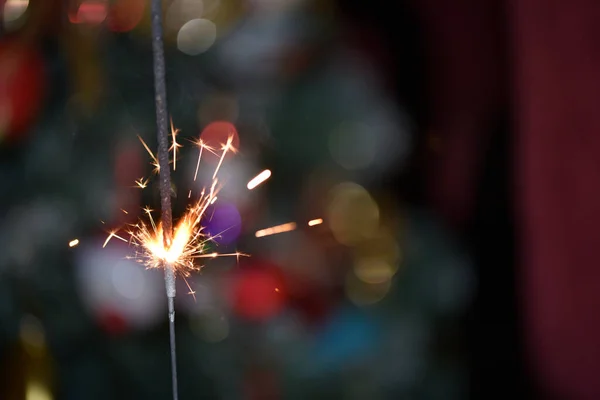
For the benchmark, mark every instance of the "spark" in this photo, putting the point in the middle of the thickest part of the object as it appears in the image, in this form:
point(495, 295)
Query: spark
point(111, 235)
point(73, 242)
point(226, 147)
point(189, 240)
point(154, 159)
point(141, 183)
point(314, 222)
point(258, 179)
point(124, 211)
point(290, 226)
point(174, 145)
point(202, 146)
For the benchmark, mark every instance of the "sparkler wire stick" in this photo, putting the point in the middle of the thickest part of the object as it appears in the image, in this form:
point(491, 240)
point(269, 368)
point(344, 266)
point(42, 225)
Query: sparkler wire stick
point(162, 132)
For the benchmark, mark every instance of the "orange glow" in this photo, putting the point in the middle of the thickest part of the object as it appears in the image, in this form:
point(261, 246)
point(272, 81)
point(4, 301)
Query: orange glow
point(290, 226)
point(258, 179)
point(314, 222)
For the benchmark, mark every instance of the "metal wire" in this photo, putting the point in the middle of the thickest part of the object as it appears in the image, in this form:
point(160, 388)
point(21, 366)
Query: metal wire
point(173, 349)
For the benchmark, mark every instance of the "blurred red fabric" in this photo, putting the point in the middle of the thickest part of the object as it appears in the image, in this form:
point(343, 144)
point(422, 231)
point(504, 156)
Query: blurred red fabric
point(557, 82)
point(552, 75)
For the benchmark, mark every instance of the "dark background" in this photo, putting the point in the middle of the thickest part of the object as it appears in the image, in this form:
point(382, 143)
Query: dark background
point(468, 126)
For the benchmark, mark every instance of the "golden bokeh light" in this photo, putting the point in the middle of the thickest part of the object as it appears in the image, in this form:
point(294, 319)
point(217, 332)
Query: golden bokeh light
point(362, 293)
point(37, 391)
point(382, 245)
point(352, 214)
point(32, 335)
point(377, 258)
point(373, 270)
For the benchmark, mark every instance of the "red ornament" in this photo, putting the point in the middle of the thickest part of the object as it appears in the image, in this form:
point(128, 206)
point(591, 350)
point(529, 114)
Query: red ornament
point(22, 85)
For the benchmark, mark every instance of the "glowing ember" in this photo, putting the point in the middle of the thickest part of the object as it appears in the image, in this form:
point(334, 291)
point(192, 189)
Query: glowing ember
point(258, 179)
point(189, 239)
point(290, 226)
point(314, 222)
point(141, 183)
point(73, 242)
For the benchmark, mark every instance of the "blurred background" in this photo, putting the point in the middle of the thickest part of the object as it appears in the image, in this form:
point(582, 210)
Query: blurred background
point(415, 184)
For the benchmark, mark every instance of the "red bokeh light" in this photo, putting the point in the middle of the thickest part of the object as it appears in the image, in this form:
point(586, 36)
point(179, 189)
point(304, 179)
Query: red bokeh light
point(112, 321)
point(215, 135)
point(89, 12)
point(124, 15)
point(258, 293)
point(22, 86)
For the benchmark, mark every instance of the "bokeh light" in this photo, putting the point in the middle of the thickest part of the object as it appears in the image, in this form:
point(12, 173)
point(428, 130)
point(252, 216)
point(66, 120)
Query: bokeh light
point(32, 335)
point(196, 36)
point(22, 87)
point(223, 223)
point(352, 145)
point(215, 135)
point(182, 11)
point(362, 293)
point(373, 270)
point(125, 15)
point(90, 12)
point(118, 292)
point(13, 12)
point(37, 391)
point(352, 214)
point(257, 293)
point(377, 258)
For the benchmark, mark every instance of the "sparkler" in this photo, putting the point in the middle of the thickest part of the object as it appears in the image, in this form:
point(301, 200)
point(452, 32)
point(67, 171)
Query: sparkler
point(160, 88)
point(158, 245)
